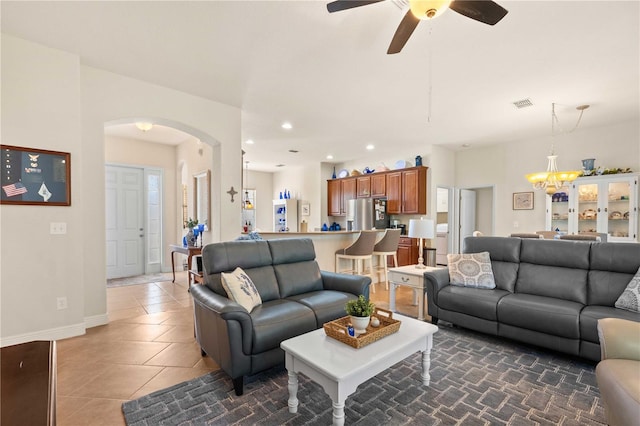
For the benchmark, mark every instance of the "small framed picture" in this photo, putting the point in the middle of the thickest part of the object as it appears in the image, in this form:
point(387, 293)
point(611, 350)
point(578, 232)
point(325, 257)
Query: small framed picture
point(32, 176)
point(523, 201)
point(304, 210)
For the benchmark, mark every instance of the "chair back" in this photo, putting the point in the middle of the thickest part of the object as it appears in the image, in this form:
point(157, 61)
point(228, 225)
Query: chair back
point(389, 242)
point(547, 235)
point(363, 246)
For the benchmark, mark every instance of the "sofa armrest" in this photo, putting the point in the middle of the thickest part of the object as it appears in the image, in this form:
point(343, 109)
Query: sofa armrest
point(355, 284)
point(227, 310)
point(619, 338)
point(434, 281)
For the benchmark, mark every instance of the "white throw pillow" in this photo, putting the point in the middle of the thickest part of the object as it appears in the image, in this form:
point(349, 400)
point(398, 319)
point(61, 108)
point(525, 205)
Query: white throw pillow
point(471, 270)
point(241, 289)
point(630, 297)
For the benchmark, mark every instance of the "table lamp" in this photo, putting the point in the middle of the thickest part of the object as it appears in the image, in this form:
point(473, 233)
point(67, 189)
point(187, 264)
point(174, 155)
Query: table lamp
point(422, 228)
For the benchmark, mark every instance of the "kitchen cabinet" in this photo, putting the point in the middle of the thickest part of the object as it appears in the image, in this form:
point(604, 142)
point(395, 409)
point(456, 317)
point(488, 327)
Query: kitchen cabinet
point(378, 185)
point(603, 204)
point(407, 191)
point(363, 187)
point(338, 192)
point(407, 252)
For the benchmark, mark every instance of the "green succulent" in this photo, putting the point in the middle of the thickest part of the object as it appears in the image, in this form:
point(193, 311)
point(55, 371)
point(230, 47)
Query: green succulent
point(360, 307)
point(191, 223)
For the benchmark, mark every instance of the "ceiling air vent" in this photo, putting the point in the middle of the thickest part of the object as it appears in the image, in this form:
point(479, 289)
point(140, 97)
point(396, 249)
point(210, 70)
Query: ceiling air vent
point(293, 151)
point(279, 165)
point(523, 103)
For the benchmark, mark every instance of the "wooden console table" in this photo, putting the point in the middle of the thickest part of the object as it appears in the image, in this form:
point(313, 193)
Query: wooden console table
point(189, 251)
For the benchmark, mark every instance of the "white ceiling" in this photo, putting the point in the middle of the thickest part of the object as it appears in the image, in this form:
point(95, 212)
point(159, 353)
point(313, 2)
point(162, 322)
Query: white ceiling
point(330, 76)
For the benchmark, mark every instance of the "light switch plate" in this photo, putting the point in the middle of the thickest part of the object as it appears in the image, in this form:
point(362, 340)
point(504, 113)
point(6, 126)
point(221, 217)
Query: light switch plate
point(58, 228)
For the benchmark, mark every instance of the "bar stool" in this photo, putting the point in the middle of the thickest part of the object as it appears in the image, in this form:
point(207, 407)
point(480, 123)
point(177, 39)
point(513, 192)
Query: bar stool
point(387, 246)
point(360, 251)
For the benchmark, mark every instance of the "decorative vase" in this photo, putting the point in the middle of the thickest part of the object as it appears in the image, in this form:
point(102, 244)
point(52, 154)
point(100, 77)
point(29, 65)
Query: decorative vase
point(191, 240)
point(360, 323)
point(333, 176)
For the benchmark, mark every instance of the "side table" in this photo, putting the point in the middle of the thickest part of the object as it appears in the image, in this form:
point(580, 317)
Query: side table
point(409, 276)
point(190, 251)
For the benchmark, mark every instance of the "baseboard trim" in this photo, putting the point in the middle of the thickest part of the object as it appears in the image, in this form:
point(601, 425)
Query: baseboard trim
point(50, 334)
point(96, 320)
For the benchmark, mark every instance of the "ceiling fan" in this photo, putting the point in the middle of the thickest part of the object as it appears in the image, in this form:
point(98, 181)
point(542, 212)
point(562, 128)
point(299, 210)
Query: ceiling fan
point(485, 11)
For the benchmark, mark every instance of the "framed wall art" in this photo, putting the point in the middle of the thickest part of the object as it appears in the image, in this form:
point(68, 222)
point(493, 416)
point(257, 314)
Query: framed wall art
point(305, 210)
point(32, 176)
point(523, 201)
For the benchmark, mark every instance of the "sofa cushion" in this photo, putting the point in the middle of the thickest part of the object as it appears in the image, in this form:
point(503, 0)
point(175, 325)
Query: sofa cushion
point(240, 289)
point(591, 314)
point(505, 257)
point(471, 270)
point(480, 303)
point(565, 254)
point(553, 281)
point(298, 278)
point(291, 250)
point(612, 267)
point(278, 320)
point(539, 313)
point(327, 305)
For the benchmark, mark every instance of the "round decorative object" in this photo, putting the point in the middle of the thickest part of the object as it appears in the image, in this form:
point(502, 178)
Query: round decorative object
point(375, 322)
point(360, 323)
point(589, 214)
point(615, 215)
point(400, 164)
point(343, 173)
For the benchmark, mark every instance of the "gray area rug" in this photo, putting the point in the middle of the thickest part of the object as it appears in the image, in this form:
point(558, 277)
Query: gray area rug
point(140, 279)
point(475, 380)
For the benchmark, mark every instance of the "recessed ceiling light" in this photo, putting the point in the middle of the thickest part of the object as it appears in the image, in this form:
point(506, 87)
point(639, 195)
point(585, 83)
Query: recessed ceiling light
point(329, 157)
point(144, 126)
point(249, 141)
point(279, 165)
point(370, 147)
point(287, 126)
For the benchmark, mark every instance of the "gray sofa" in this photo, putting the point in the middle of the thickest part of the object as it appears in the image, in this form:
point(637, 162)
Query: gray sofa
point(548, 293)
point(296, 298)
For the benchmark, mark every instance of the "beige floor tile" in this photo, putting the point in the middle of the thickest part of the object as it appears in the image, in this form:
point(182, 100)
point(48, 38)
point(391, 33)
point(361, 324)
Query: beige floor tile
point(177, 334)
point(163, 307)
point(154, 299)
point(118, 382)
point(177, 355)
point(157, 318)
point(96, 412)
point(126, 313)
point(169, 376)
point(146, 332)
point(133, 353)
point(208, 363)
point(182, 317)
point(68, 405)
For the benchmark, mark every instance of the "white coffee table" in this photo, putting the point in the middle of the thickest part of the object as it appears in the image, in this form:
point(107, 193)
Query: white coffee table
point(340, 368)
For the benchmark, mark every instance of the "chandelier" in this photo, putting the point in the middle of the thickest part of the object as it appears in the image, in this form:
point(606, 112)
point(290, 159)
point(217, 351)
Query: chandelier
point(552, 180)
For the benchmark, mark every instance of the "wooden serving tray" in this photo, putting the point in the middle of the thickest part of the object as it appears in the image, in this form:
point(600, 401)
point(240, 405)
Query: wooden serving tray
point(337, 329)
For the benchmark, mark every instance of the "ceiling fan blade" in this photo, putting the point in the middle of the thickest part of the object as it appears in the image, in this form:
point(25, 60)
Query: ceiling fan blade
point(485, 11)
point(338, 5)
point(404, 31)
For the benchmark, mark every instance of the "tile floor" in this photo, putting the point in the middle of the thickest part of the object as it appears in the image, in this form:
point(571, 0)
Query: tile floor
point(148, 345)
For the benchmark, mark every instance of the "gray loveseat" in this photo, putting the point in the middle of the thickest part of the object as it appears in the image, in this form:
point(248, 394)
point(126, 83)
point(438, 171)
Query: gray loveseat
point(548, 293)
point(296, 298)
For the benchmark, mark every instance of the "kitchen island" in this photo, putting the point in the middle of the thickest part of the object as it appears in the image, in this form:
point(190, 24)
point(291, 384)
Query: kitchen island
point(325, 243)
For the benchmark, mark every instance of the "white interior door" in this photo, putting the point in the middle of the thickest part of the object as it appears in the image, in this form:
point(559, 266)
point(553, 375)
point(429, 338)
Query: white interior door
point(467, 216)
point(124, 221)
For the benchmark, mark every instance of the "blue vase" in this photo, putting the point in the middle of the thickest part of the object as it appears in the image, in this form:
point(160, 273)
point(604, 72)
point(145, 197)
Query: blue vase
point(333, 176)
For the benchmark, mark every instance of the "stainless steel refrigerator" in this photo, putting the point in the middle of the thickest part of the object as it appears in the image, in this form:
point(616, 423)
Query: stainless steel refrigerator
point(367, 213)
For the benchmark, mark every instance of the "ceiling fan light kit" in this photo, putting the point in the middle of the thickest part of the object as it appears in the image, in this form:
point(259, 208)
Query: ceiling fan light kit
point(485, 11)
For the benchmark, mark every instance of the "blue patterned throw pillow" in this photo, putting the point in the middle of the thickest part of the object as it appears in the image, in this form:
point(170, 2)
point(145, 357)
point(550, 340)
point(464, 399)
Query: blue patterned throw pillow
point(241, 289)
point(630, 297)
point(471, 270)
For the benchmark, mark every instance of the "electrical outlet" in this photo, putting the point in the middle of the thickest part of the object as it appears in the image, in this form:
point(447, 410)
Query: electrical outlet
point(516, 224)
point(58, 228)
point(62, 303)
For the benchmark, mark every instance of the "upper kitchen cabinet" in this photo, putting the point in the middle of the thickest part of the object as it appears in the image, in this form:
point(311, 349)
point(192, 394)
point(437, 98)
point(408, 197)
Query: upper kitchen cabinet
point(378, 185)
point(338, 192)
point(363, 186)
point(406, 191)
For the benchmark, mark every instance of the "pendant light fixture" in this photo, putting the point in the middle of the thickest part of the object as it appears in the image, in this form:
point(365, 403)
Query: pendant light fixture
point(552, 180)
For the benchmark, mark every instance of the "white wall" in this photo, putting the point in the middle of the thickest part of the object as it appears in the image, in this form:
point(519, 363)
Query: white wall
point(41, 109)
point(51, 101)
point(262, 182)
point(505, 166)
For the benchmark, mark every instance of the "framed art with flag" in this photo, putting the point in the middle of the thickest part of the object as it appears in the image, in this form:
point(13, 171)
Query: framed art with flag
point(33, 176)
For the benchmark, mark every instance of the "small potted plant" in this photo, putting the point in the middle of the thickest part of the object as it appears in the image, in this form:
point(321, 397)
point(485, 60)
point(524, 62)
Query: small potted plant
point(360, 311)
